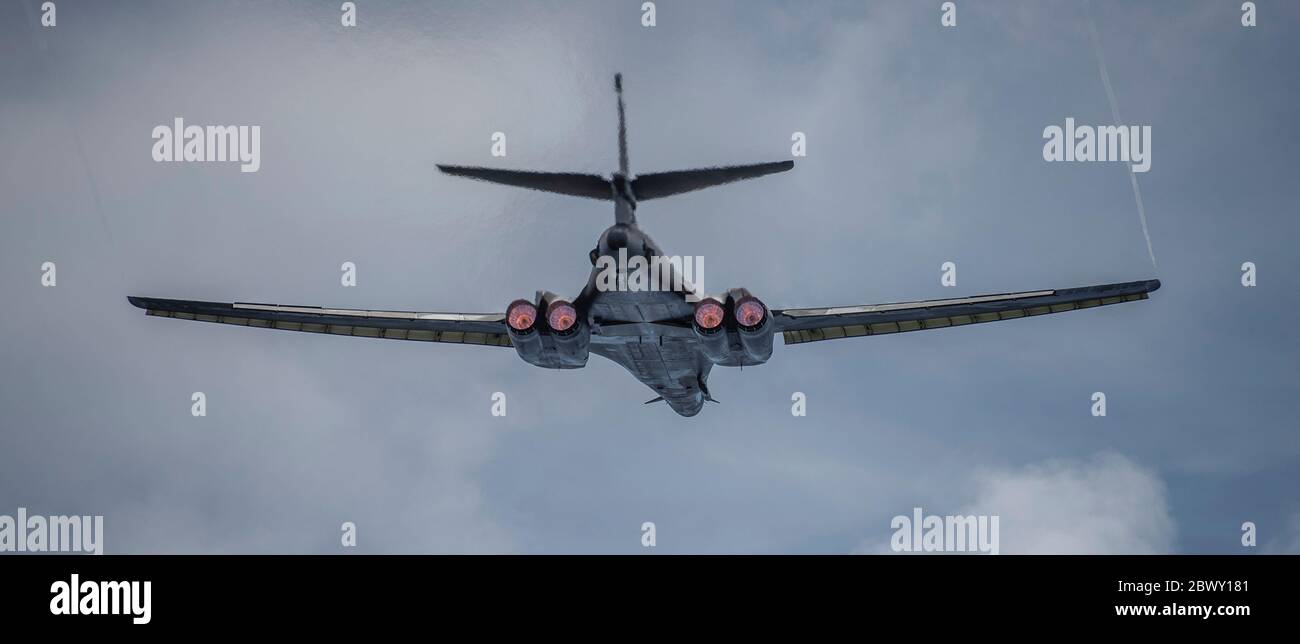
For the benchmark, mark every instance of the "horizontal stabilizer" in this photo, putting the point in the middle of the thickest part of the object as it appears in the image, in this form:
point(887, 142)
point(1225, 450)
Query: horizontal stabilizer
point(665, 184)
point(565, 183)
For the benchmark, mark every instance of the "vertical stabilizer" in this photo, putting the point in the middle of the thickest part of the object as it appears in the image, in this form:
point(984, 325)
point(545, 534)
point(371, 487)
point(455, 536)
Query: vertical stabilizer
point(622, 127)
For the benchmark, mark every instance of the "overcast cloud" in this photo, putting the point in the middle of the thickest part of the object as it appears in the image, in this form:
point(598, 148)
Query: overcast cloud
point(924, 146)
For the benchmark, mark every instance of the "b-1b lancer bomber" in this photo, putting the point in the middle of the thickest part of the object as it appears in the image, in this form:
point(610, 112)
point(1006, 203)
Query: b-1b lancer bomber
point(668, 338)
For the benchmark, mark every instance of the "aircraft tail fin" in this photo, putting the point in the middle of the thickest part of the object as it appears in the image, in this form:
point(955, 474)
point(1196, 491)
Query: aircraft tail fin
point(622, 127)
point(666, 184)
point(621, 188)
point(566, 183)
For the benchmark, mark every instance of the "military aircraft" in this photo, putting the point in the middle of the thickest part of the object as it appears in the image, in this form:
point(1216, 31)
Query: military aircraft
point(668, 338)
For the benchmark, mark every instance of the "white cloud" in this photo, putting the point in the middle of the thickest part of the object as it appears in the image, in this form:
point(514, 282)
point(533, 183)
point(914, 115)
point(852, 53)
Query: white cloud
point(1289, 542)
point(1106, 504)
point(1103, 505)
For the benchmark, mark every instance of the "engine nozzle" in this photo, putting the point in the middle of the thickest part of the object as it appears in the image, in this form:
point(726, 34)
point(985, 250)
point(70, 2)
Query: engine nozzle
point(561, 316)
point(521, 315)
point(709, 314)
point(750, 313)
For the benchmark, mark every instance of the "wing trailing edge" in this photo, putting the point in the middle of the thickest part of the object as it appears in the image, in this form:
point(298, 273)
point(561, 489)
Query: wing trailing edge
point(812, 325)
point(456, 328)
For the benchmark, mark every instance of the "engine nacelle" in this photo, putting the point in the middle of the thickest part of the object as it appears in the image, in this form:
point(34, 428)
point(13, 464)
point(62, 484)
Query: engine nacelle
point(734, 334)
point(753, 325)
point(550, 333)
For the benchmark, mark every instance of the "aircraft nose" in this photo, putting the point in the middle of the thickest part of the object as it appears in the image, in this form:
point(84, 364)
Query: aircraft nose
point(689, 407)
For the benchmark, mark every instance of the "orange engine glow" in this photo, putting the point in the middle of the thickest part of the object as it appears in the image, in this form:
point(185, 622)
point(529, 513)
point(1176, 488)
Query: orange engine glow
point(561, 316)
point(521, 315)
point(708, 314)
point(750, 313)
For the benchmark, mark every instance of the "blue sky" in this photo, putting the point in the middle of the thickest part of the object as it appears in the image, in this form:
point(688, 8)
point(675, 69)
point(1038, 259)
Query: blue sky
point(924, 146)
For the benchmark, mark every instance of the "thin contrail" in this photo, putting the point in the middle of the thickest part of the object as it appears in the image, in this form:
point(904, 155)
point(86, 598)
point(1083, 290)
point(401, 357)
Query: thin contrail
point(81, 151)
point(1114, 112)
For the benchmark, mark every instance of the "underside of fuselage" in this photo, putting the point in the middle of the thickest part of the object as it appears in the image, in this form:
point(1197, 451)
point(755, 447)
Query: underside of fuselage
point(641, 330)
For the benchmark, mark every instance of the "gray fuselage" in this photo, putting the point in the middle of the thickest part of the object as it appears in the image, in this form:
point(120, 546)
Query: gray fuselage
point(642, 330)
